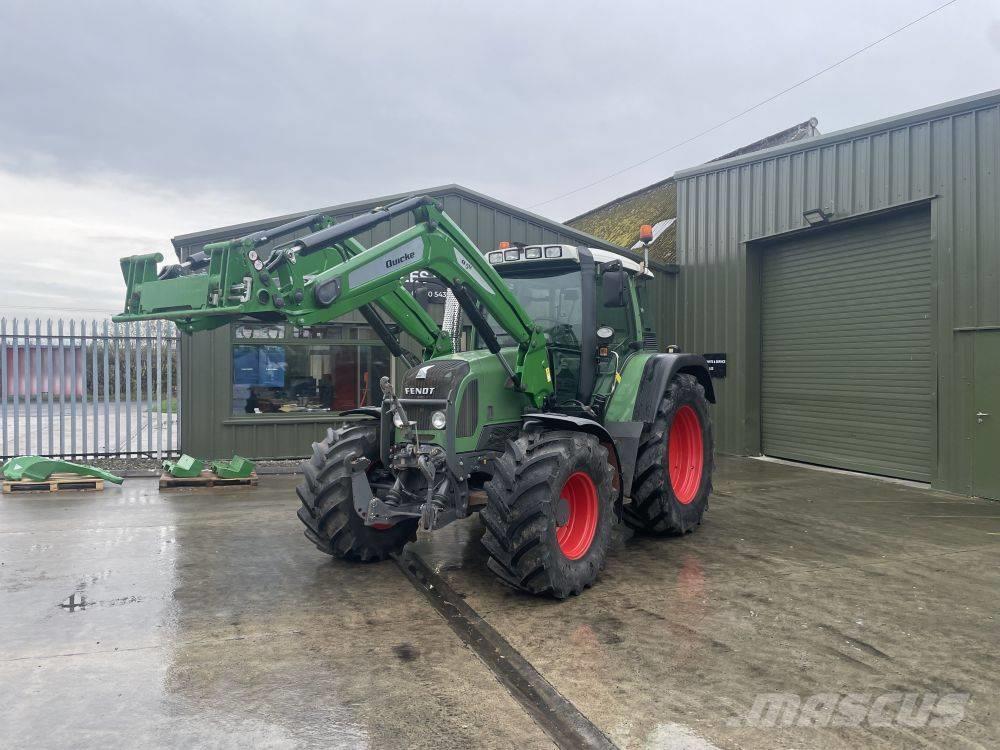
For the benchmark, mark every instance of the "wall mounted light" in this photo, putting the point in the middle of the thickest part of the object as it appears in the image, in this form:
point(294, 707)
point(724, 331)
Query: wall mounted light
point(816, 216)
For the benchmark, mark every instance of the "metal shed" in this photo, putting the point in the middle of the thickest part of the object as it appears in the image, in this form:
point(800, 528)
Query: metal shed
point(852, 283)
point(221, 412)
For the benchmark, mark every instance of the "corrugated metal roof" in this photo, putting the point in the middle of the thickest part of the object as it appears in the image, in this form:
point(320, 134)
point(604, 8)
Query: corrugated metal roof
point(619, 220)
point(807, 129)
point(986, 99)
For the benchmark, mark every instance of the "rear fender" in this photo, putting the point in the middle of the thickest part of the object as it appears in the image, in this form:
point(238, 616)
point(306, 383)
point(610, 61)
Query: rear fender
point(657, 374)
point(645, 379)
point(589, 426)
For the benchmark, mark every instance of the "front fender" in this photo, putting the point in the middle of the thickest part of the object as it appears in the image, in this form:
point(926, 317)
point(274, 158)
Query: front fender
point(375, 412)
point(582, 424)
point(384, 430)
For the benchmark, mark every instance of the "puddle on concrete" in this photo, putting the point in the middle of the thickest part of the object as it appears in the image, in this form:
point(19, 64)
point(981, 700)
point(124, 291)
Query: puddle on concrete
point(406, 651)
point(77, 602)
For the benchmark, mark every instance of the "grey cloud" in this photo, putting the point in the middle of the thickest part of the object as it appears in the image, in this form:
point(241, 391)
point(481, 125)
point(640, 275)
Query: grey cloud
point(302, 104)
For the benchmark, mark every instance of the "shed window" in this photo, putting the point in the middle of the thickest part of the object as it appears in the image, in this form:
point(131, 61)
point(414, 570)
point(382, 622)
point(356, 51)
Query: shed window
point(280, 370)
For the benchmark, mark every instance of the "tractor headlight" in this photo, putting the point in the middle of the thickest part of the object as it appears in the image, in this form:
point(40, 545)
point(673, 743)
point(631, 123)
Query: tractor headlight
point(397, 420)
point(533, 253)
point(496, 258)
point(438, 420)
point(512, 254)
point(553, 252)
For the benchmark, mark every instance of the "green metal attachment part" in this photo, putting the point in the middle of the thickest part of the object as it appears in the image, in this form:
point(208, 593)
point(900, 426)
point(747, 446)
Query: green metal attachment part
point(237, 468)
point(231, 279)
point(40, 468)
point(184, 467)
point(326, 274)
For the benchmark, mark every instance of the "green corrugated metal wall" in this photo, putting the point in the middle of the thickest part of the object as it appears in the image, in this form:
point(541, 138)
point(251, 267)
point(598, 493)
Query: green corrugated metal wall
point(946, 158)
point(863, 290)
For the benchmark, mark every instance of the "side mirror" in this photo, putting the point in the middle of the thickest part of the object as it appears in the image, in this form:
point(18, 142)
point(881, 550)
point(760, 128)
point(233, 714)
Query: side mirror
point(613, 288)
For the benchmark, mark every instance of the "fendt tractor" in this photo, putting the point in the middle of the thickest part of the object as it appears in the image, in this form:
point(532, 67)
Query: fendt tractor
point(558, 421)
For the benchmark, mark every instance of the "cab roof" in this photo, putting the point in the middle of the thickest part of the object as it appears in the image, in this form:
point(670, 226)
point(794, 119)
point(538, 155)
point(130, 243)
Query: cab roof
point(567, 252)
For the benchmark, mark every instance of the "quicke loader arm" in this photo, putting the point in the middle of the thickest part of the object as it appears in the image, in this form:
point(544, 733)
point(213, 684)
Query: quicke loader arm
point(230, 266)
point(319, 277)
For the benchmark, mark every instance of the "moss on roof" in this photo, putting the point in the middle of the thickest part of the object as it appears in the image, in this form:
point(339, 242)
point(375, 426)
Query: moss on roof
point(619, 221)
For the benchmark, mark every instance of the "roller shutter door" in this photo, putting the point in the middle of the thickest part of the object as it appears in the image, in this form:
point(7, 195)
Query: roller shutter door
point(847, 367)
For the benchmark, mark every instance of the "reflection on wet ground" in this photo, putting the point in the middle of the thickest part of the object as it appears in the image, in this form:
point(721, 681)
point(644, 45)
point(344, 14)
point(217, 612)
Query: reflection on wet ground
point(204, 618)
point(799, 583)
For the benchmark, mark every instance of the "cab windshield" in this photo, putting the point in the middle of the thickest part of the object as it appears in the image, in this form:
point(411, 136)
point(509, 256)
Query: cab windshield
point(552, 301)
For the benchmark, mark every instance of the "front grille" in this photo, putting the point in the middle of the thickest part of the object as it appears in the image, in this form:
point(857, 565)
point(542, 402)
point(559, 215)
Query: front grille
point(422, 396)
point(422, 414)
point(468, 412)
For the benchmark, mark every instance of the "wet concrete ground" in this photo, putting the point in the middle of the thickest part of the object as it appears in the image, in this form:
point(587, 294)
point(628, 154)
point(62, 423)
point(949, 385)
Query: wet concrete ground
point(191, 618)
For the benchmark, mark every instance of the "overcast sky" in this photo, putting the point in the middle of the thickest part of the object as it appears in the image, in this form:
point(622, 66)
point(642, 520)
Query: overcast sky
point(125, 123)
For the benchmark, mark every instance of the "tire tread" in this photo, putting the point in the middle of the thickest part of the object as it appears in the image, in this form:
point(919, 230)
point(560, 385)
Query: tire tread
point(325, 492)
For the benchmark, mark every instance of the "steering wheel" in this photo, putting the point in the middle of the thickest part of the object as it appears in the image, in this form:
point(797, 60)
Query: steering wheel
point(563, 333)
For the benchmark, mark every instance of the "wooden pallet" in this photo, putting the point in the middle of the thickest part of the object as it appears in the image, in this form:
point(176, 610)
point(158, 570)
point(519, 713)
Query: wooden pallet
point(55, 483)
point(206, 479)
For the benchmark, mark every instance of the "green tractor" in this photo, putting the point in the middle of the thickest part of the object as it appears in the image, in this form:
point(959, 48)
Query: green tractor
point(556, 423)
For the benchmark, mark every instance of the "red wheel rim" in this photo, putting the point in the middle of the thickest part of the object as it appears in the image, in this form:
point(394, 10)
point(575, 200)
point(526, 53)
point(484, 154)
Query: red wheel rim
point(575, 536)
point(685, 454)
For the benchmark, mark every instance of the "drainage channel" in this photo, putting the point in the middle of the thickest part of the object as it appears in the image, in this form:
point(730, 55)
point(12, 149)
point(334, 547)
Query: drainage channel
point(557, 716)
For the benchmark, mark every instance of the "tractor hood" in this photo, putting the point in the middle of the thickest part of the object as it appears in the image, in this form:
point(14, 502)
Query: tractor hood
point(457, 385)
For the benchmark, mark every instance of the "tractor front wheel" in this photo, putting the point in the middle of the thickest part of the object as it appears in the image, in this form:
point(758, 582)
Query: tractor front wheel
point(327, 509)
point(549, 512)
point(673, 472)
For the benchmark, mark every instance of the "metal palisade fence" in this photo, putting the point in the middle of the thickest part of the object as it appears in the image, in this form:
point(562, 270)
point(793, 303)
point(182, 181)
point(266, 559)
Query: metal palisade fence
point(89, 390)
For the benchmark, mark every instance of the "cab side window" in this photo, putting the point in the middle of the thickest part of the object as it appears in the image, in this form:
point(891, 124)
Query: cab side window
point(621, 319)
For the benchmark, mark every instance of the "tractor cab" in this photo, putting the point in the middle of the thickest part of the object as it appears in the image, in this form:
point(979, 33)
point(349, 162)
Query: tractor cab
point(588, 304)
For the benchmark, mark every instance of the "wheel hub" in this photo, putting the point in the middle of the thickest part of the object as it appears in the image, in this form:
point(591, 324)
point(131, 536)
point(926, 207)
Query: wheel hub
point(578, 506)
point(685, 454)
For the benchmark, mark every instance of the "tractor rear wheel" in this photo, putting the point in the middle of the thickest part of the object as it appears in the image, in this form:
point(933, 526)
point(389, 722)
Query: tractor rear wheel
point(673, 472)
point(327, 509)
point(549, 512)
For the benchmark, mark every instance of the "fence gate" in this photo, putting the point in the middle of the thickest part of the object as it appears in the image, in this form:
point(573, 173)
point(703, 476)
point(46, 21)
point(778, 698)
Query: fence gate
point(82, 390)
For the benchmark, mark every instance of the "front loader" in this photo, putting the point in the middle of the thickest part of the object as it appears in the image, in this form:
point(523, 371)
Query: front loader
point(555, 425)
